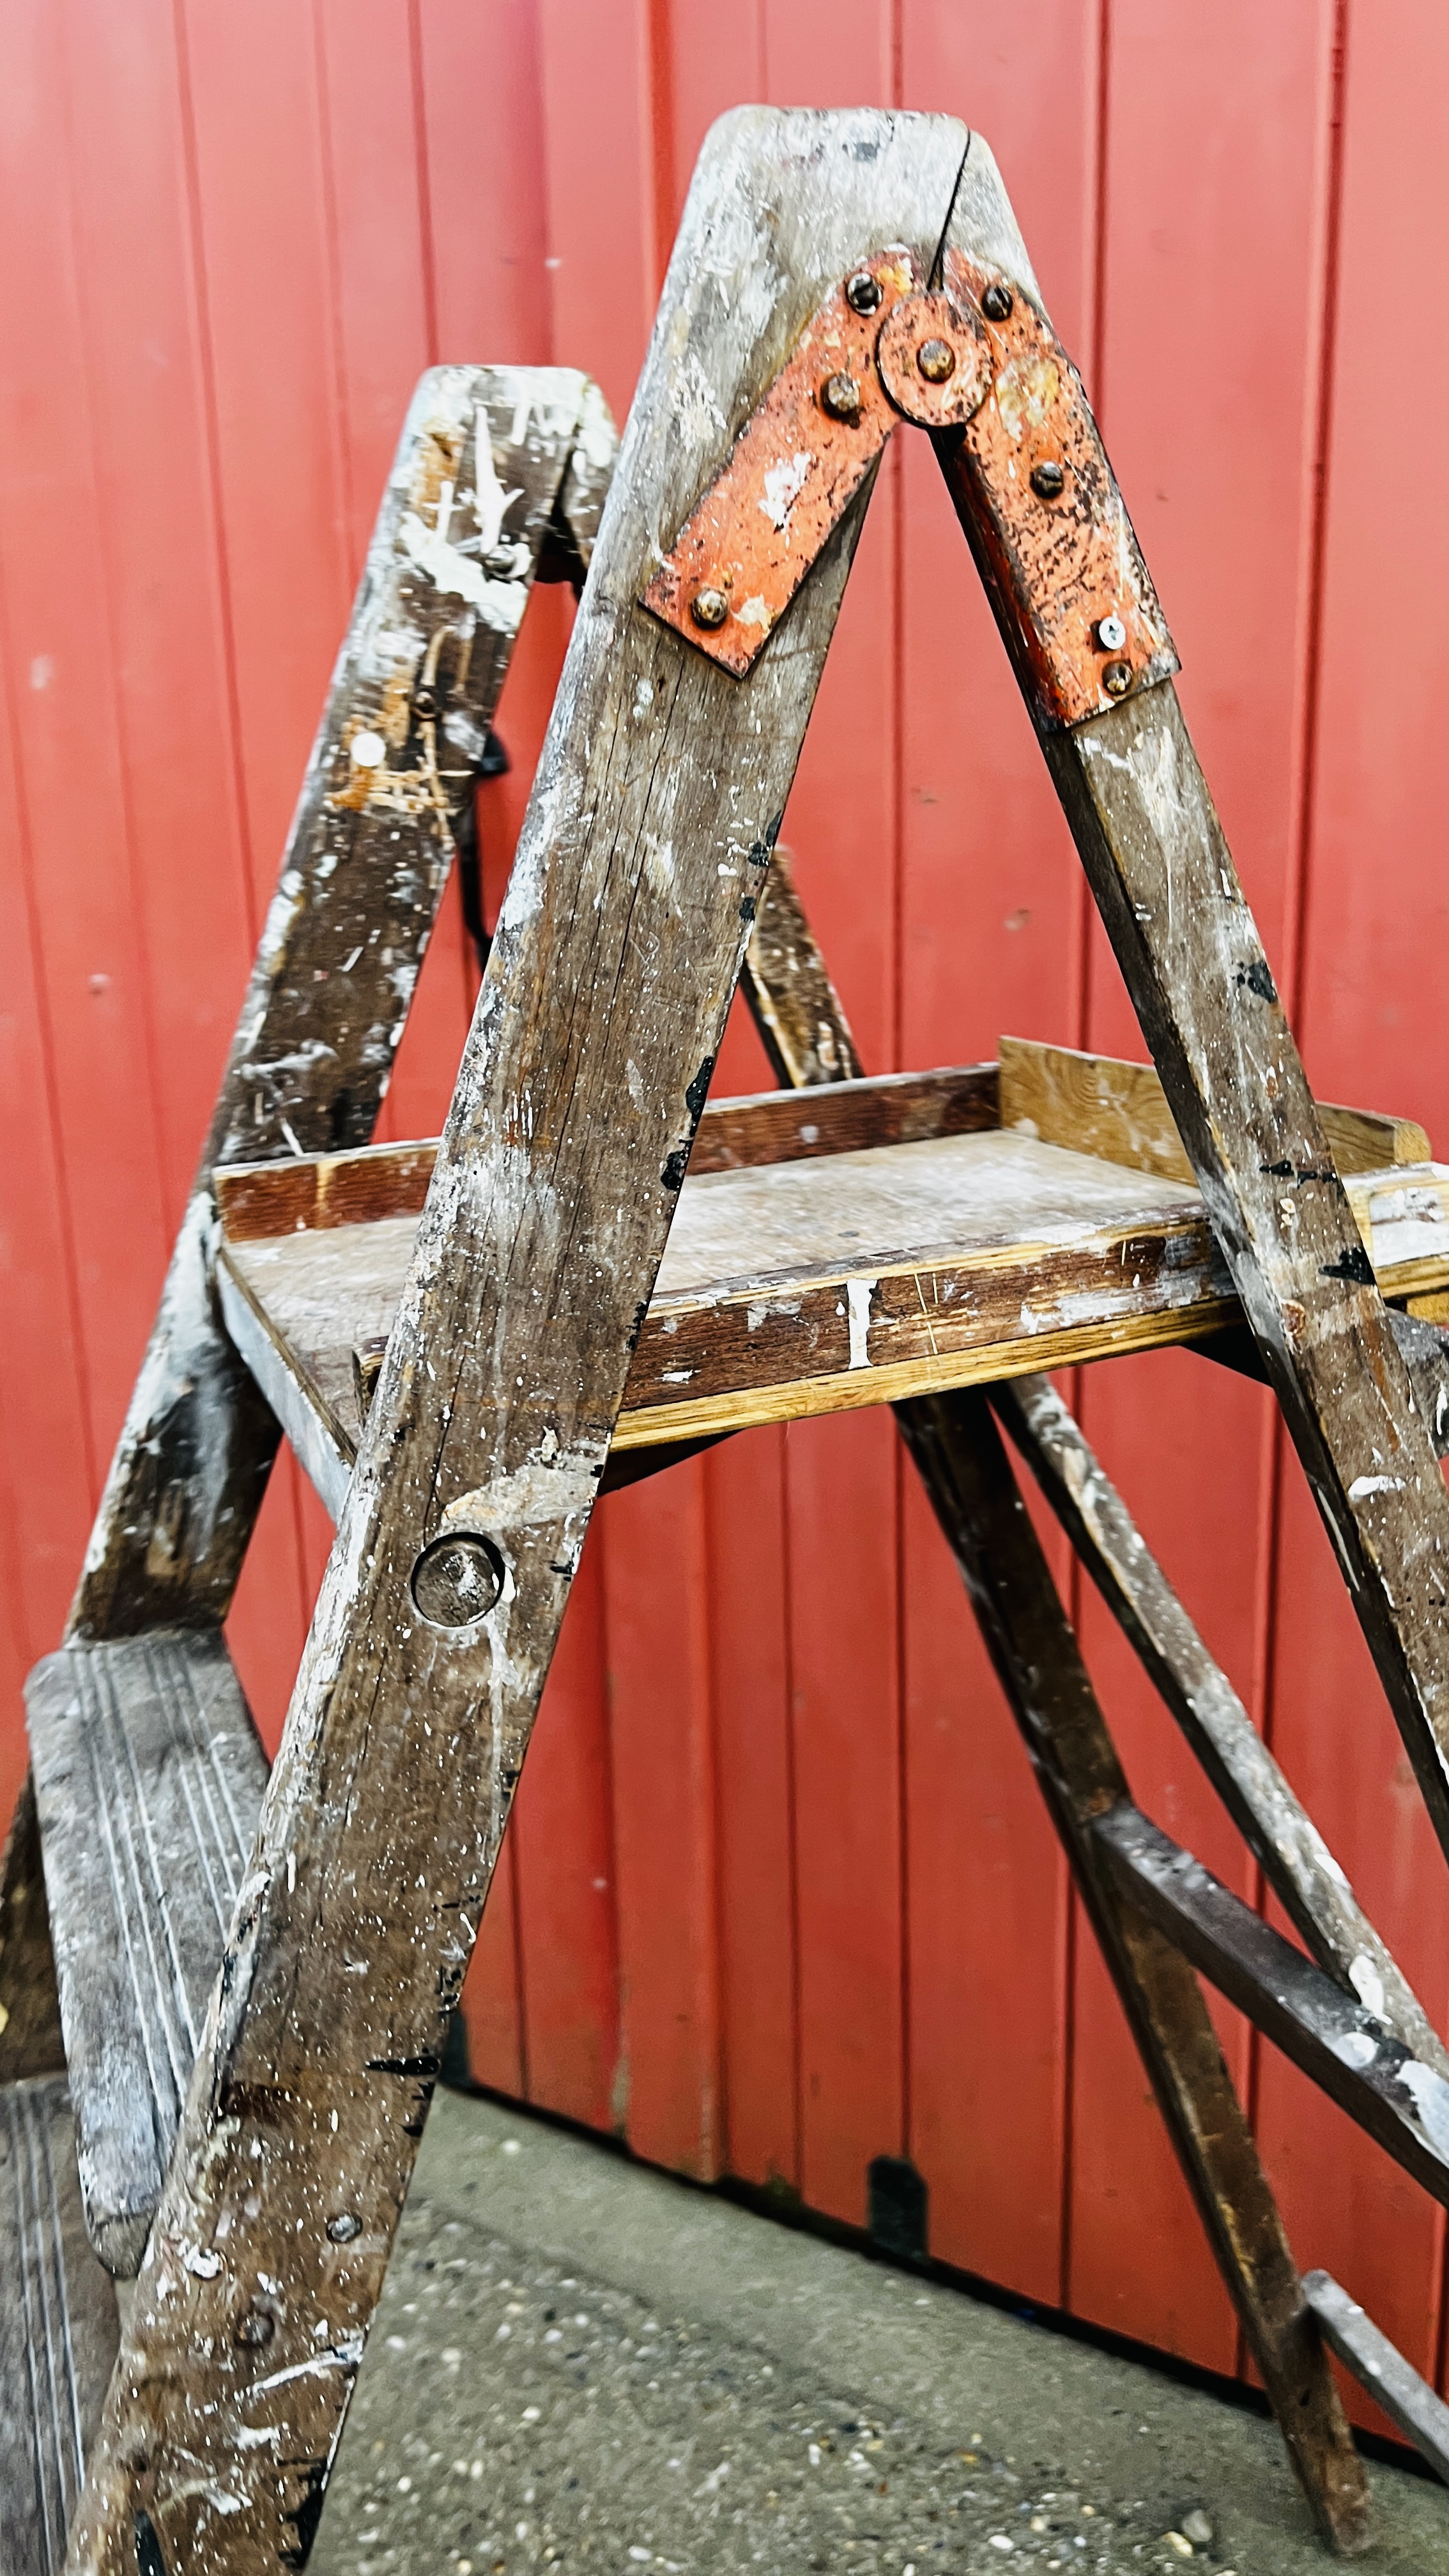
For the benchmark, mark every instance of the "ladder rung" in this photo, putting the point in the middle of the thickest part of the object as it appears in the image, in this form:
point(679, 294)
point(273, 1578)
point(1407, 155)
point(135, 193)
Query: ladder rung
point(148, 1779)
point(801, 1286)
point(58, 2328)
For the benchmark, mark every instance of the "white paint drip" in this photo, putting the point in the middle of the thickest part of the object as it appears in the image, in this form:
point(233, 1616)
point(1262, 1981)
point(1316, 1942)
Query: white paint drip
point(1431, 2100)
point(858, 1293)
point(1363, 1486)
point(1367, 1984)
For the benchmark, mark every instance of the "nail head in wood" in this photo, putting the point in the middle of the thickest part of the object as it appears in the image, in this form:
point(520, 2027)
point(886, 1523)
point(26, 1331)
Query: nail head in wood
point(458, 1579)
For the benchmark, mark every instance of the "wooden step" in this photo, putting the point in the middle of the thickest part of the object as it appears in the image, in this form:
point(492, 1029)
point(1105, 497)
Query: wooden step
point(797, 1280)
point(58, 2328)
point(148, 1781)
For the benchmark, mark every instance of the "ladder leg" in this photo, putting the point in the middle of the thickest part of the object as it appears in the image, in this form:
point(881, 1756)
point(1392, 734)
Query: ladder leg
point(1038, 503)
point(958, 1452)
point(647, 839)
point(495, 466)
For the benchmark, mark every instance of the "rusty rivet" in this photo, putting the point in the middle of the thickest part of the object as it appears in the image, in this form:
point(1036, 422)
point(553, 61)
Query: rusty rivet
point(936, 360)
point(1047, 480)
point(1117, 679)
point(344, 2228)
point(840, 396)
point(258, 2325)
point(862, 292)
point(709, 607)
point(457, 1579)
point(1111, 634)
point(997, 302)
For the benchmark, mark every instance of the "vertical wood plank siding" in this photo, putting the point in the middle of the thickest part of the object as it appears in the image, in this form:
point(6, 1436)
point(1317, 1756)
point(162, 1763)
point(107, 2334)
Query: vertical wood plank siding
point(779, 1896)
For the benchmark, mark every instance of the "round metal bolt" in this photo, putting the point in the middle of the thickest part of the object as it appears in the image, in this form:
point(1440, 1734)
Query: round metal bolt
point(1048, 481)
point(840, 396)
point(936, 360)
point(457, 1579)
point(709, 607)
point(343, 2229)
point(258, 2325)
point(1117, 679)
point(863, 292)
point(1111, 634)
point(425, 705)
point(997, 302)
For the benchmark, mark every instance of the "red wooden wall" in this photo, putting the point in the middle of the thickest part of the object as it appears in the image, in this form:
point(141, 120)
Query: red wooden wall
point(779, 1896)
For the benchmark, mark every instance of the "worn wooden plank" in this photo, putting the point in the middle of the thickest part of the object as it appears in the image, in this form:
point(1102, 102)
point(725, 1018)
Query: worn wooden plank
point(58, 2329)
point(1381, 2370)
point(1397, 2097)
point(258, 1199)
point(1100, 1105)
point(1276, 1825)
point(648, 835)
point(395, 760)
point(1193, 963)
point(148, 1783)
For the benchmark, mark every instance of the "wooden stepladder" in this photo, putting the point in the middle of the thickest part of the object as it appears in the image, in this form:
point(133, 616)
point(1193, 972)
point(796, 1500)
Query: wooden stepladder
point(551, 1301)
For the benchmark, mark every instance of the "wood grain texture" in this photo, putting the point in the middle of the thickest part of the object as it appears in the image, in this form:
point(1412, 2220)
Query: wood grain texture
point(1381, 2370)
point(649, 832)
point(395, 760)
point(58, 2329)
point(1102, 1106)
point(148, 1783)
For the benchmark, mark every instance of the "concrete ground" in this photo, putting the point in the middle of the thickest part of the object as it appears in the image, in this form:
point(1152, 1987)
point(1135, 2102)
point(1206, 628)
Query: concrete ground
point(582, 2364)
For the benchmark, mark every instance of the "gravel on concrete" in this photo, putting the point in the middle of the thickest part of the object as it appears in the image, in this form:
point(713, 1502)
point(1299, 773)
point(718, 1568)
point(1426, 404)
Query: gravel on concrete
point(580, 2363)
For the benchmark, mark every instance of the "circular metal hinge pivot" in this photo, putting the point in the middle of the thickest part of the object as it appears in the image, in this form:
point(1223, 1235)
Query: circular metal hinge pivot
point(934, 361)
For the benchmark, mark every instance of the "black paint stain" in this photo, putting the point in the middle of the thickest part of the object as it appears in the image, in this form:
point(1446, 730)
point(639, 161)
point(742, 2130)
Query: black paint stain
point(698, 1091)
point(1258, 980)
point(747, 907)
point(672, 1176)
point(149, 2561)
point(425, 2067)
point(1355, 1266)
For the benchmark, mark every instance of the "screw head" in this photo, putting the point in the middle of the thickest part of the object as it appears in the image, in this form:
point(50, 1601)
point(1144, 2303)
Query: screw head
point(1048, 481)
point(936, 360)
point(344, 2228)
point(1111, 634)
point(457, 1579)
point(1117, 679)
point(257, 2326)
point(863, 292)
point(709, 607)
point(840, 396)
point(997, 302)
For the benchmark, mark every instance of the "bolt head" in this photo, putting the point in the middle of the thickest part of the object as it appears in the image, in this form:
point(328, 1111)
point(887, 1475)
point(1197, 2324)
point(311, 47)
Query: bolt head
point(997, 302)
point(863, 292)
point(258, 2325)
point(1048, 481)
point(709, 607)
point(344, 2228)
point(1117, 679)
point(936, 361)
point(840, 396)
point(457, 1579)
point(1111, 634)
point(425, 705)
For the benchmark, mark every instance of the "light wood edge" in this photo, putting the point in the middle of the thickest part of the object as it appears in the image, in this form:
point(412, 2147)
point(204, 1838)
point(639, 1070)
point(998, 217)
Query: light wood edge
point(317, 1439)
point(1069, 1097)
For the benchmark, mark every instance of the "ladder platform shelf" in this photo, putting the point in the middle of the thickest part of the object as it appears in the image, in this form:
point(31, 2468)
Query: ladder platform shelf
point(885, 1239)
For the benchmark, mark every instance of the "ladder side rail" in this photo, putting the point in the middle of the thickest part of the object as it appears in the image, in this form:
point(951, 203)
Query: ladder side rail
point(1185, 940)
point(462, 523)
point(957, 1452)
point(647, 838)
